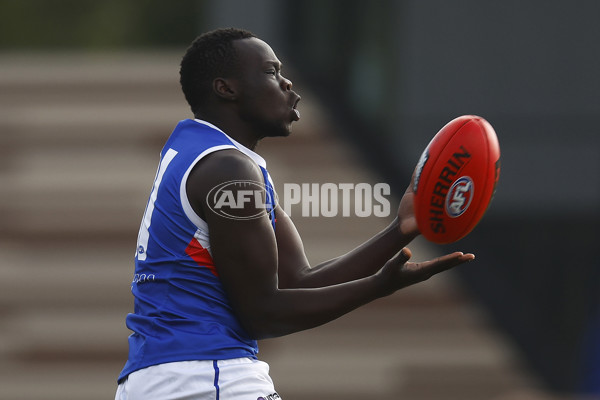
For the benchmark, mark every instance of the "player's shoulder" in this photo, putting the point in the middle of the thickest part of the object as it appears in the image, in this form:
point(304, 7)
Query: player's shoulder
point(227, 165)
point(225, 180)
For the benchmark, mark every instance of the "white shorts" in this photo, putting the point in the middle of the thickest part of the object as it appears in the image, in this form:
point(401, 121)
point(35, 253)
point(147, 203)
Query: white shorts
point(236, 379)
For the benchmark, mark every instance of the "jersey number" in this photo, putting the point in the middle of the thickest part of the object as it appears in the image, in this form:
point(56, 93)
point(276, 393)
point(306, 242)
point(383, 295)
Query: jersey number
point(144, 235)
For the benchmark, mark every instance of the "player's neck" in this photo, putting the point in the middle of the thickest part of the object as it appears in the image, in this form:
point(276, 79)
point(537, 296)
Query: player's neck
point(234, 128)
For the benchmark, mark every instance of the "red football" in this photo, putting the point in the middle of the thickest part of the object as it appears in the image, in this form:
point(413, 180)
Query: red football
point(455, 179)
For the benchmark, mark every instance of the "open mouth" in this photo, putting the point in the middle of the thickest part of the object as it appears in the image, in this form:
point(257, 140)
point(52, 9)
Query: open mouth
point(295, 110)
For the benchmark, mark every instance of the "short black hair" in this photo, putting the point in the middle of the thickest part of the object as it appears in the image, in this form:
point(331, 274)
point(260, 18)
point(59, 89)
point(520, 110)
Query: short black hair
point(209, 56)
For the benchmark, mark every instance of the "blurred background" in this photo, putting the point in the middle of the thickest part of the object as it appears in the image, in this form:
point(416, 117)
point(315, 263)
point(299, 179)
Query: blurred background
point(89, 92)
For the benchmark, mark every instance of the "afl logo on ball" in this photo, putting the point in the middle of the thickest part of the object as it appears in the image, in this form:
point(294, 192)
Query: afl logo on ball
point(459, 196)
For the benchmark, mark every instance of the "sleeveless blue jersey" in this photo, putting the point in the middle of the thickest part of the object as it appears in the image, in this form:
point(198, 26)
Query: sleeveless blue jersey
point(181, 311)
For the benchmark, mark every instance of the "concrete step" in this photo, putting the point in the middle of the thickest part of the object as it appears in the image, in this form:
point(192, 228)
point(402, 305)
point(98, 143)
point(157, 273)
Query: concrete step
point(57, 275)
point(58, 381)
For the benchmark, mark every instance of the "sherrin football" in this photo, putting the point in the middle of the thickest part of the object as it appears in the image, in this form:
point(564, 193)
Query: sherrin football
point(456, 178)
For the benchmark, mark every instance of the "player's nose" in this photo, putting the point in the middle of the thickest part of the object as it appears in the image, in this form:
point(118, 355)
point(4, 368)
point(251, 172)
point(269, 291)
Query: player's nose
point(286, 84)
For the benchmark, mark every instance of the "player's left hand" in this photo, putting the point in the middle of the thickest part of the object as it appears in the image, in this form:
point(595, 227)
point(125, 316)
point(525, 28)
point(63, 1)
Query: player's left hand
point(399, 273)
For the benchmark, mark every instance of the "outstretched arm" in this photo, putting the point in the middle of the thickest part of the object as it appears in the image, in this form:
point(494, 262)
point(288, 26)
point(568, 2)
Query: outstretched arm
point(364, 260)
point(250, 259)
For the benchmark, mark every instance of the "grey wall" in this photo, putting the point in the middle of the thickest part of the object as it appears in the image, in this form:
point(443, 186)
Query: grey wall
point(531, 68)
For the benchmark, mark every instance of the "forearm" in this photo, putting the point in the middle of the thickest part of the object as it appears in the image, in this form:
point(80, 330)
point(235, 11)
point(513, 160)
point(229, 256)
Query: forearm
point(292, 310)
point(363, 261)
point(284, 311)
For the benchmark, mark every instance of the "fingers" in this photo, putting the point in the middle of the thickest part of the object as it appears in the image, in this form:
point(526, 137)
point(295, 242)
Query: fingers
point(461, 257)
point(412, 273)
point(400, 259)
point(405, 255)
point(467, 257)
point(405, 273)
point(444, 263)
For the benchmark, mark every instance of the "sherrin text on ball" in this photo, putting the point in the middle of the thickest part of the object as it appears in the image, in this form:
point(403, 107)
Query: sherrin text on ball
point(456, 178)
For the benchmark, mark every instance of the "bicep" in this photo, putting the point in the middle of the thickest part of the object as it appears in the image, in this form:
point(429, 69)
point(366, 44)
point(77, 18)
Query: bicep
point(245, 256)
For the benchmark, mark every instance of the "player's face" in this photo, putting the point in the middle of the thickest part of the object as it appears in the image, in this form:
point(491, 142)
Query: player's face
point(266, 100)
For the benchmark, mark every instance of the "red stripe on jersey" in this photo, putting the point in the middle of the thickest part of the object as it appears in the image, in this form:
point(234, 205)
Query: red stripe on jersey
point(201, 256)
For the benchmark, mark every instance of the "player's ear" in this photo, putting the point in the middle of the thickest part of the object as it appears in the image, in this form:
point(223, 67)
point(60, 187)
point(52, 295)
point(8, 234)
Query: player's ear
point(225, 88)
